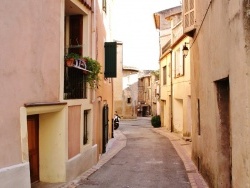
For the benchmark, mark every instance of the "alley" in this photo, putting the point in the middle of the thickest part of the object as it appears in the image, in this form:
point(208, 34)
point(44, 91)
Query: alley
point(147, 160)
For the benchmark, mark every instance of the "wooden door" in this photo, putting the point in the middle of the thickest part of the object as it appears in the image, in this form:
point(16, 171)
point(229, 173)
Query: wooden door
point(33, 143)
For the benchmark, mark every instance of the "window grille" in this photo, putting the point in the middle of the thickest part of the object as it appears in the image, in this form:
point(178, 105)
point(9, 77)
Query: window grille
point(74, 83)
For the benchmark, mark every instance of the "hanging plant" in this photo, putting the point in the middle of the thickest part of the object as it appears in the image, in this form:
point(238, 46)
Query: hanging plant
point(94, 68)
point(90, 67)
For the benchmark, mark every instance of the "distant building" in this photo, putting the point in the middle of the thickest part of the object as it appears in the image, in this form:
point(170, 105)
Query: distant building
point(126, 90)
point(148, 94)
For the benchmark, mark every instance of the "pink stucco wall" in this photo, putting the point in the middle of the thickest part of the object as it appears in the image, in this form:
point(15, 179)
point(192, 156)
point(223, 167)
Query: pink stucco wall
point(29, 65)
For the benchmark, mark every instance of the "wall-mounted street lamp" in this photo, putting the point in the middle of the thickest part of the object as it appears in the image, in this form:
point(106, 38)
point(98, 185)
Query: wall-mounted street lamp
point(99, 98)
point(185, 49)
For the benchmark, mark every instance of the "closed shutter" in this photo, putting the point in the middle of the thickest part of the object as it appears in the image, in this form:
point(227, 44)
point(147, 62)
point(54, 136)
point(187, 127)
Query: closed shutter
point(110, 59)
point(189, 15)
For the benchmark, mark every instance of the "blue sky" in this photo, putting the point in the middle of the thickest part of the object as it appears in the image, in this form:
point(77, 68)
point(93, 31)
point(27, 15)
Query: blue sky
point(134, 27)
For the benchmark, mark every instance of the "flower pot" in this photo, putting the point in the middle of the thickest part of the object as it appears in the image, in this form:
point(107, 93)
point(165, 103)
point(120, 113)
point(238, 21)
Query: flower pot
point(85, 72)
point(70, 62)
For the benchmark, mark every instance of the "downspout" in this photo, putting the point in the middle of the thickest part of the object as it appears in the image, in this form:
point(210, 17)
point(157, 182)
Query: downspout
point(171, 102)
point(113, 106)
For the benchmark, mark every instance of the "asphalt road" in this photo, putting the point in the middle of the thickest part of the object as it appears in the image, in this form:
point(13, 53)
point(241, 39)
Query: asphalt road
point(147, 161)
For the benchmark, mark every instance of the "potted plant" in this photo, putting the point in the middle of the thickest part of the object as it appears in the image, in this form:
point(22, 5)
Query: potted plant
point(93, 67)
point(156, 121)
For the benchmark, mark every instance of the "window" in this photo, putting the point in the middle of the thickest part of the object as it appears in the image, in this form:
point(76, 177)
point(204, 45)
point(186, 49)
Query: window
point(74, 79)
point(199, 123)
point(164, 75)
point(129, 100)
point(179, 70)
point(85, 127)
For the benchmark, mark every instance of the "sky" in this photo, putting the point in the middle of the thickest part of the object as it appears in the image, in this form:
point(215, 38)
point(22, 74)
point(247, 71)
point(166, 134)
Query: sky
point(134, 26)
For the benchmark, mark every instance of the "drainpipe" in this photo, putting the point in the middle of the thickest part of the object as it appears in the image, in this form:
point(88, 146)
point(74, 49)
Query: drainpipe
point(171, 102)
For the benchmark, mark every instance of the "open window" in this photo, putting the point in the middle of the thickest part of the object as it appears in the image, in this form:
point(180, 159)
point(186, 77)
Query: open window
point(75, 86)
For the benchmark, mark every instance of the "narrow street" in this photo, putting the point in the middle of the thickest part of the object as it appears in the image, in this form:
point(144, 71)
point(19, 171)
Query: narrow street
point(148, 160)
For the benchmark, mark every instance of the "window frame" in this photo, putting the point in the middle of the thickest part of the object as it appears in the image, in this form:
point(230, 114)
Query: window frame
point(164, 75)
point(85, 137)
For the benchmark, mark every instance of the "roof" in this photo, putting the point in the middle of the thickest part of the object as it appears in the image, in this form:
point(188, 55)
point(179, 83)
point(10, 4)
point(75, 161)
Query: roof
point(159, 17)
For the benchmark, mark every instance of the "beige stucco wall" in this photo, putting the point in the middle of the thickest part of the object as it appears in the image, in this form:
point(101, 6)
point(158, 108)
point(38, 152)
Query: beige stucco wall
point(181, 91)
point(220, 50)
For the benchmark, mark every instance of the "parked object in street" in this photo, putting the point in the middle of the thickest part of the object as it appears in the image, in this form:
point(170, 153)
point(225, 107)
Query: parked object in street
point(116, 121)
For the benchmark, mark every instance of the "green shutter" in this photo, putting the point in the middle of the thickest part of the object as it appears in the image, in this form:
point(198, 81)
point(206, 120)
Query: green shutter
point(110, 59)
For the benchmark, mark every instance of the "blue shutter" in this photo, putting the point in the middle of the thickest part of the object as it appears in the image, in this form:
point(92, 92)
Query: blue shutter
point(110, 59)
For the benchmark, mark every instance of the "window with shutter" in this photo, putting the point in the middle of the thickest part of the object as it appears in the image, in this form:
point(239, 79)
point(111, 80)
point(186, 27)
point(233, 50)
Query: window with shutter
point(179, 66)
point(189, 15)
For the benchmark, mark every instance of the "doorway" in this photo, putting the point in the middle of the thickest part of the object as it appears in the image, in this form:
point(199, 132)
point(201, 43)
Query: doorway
point(224, 134)
point(33, 145)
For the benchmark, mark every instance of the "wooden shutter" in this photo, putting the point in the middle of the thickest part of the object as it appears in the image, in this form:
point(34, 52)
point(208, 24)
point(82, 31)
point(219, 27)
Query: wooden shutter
point(110, 59)
point(181, 64)
point(189, 15)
